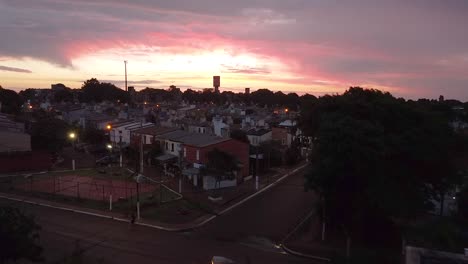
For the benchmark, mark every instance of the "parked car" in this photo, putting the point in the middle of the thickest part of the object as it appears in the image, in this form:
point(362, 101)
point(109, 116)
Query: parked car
point(221, 260)
point(106, 160)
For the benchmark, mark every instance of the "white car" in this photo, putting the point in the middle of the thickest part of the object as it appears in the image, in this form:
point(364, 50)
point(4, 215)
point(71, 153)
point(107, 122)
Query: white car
point(221, 260)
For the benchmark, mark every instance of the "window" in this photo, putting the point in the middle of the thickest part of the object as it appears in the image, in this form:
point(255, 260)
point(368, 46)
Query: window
point(185, 152)
point(167, 146)
point(198, 155)
point(172, 147)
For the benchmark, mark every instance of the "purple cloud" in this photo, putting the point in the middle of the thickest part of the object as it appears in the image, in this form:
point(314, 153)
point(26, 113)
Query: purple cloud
point(12, 69)
point(414, 47)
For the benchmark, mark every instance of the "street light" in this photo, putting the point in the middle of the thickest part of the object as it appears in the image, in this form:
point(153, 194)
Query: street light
point(109, 147)
point(72, 136)
point(138, 179)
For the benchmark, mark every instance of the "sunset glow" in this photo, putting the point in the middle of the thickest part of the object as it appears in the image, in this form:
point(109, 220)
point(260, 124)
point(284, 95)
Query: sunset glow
point(271, 45)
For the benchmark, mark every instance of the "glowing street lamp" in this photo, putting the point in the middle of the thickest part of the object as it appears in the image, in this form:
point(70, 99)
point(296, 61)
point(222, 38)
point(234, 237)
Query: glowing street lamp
point(109, 127)
point(109, 147)
point(72, 135)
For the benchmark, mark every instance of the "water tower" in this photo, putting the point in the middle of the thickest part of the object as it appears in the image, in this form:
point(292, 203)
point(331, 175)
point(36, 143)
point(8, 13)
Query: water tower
point(216, 83)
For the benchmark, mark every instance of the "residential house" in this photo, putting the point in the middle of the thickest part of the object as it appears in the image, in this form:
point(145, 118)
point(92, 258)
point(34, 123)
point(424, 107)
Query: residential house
point(171, 142)
point(285, 132)
point(220, 128)
point(149, 134)
point(120, 132)
point(15, 149)
point(70, 113)
point(193, 148)
point(96, 120)
point(196, 149)
point(257, 136)
point(7, 124)
point(200, 127)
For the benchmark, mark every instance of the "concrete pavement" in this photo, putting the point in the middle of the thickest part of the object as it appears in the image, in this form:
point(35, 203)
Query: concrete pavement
point(248, 234)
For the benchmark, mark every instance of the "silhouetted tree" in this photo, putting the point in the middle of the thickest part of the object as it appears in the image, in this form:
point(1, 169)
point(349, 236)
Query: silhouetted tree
point(368, 146)
point(49, 134)
point(19, 236)
point(221, 165)
point(28, 94)
point(63, 95)
point(94, 136)
point(94, 91)
point(11, 101)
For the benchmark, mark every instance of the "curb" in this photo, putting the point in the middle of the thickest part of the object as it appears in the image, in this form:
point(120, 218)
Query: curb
point(64, 208)
point(299, 254)
point(271, 185)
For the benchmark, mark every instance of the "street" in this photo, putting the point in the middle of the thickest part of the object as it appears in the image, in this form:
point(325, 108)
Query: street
point(247, 234)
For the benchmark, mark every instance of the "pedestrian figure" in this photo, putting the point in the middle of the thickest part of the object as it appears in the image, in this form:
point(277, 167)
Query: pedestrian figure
point(132, 218)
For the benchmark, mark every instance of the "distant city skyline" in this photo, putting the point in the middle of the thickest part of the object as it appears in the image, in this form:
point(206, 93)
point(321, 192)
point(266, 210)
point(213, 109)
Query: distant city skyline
point(412, 50)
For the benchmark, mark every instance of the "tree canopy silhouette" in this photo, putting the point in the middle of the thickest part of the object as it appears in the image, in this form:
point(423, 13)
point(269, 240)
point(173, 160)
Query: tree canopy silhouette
point(95, 91)
point(377, 156)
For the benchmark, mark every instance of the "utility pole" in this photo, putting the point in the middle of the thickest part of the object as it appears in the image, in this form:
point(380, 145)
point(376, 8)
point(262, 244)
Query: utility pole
point(126, 88)
point(180, 170)
point(256, 168)
point(141, 153)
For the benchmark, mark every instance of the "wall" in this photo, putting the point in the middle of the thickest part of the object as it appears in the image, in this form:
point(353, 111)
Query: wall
point(209, 183)
point(256, 140)
point(177, 147)
point(280, 134)
point(238, 149)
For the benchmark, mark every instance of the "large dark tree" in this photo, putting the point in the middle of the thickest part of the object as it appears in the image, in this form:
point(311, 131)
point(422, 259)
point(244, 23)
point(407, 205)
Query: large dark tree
point(376, 157)
point(19, 236)
point(63, 95)
point(95, 91)
point(221, 165)
point(49, 134)
point(28, 94)
point(11, 101)
point(94, 136)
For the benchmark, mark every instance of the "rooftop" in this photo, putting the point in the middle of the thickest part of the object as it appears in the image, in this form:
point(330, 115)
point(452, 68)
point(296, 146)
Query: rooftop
point(258, 132)
point(193, 139)
point(154, 130)
point(14, 141)
point(175, 135)
point(98, 117)
point(201, 140)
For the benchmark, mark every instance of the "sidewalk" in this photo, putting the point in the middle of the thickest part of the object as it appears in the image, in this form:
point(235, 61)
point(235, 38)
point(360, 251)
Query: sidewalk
point(232, 199)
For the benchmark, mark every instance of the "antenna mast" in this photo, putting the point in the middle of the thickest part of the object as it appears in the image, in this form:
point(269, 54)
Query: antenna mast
point(126, 88)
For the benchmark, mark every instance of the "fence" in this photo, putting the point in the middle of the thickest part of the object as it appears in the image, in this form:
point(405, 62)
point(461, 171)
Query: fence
point(96, 192)
point(87, 191)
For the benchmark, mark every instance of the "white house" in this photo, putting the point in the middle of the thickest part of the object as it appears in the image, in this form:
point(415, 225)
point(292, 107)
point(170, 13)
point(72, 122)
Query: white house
point(172, 142)
point(120, 132)
point(219, 127)
point(257, 136)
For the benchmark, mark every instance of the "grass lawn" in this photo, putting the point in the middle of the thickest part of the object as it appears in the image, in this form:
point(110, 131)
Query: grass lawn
point(176, 212)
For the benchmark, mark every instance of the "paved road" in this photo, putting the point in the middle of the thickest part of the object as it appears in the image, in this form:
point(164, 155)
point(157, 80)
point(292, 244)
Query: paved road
point(247, 234)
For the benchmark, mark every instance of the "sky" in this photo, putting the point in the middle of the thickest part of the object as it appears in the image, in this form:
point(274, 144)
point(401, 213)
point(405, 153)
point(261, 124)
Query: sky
point(412, 49)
